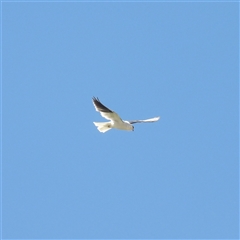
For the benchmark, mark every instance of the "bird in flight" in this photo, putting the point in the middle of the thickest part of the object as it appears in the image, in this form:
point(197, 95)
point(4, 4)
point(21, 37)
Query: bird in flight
point(115, 120)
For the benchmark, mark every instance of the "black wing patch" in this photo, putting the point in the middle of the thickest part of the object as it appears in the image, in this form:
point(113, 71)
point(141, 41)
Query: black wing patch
point(100, 107)
point(135, 121)
point(150, 120)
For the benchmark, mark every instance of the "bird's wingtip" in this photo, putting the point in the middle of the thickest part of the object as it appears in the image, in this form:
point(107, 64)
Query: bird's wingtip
point(95, 99)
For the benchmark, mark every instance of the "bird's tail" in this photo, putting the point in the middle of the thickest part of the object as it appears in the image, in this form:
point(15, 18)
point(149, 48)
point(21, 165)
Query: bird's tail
point(102, 126)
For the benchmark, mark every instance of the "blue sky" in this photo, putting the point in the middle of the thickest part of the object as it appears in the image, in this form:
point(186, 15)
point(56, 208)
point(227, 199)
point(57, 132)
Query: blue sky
point(174, 179)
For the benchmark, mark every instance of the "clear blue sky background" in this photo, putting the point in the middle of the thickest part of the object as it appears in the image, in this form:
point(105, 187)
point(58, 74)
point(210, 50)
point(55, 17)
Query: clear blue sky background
point(177, 178)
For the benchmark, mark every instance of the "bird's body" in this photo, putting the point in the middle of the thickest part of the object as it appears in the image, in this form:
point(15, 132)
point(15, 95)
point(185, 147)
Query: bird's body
point(105, 126)
point(115, 120)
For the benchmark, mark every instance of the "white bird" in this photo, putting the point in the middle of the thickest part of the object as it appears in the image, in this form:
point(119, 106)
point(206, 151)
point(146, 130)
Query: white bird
point(115, 120)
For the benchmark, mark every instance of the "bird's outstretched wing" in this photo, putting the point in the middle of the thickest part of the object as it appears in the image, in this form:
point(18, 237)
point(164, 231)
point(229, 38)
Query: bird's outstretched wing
point(144, 121)
point(104, 111)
